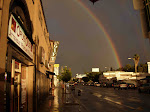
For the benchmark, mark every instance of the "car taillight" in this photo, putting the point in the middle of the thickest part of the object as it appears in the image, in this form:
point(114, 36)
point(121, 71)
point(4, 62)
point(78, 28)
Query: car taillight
point(112, 85)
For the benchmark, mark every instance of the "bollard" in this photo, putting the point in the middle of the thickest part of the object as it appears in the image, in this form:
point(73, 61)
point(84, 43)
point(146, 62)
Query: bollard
point(79, 92)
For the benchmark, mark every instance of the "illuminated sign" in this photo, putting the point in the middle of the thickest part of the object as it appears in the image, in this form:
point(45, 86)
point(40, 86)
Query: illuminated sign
point(17, 35)
point(95, 69)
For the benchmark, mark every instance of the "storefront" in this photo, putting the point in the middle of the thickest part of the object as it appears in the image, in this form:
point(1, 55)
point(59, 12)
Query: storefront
point(19, 60)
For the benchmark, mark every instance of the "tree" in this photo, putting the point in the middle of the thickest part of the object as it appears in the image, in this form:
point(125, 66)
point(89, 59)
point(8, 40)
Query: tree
point(128, 68)
point(140, 69)
point(85, 79)
point(143, 68)
point(136, 59)
point(120, 69)
point(66, 75)
point(94, 76)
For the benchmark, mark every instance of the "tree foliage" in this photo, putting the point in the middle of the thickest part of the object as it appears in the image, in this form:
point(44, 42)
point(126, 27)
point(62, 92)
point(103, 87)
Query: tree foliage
point(85, 79)
point(136, 59)
point(94, 76)
point(129, 68)
point(65, 75)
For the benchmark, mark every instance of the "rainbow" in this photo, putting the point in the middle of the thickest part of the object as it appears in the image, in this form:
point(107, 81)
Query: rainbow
point(99, 24)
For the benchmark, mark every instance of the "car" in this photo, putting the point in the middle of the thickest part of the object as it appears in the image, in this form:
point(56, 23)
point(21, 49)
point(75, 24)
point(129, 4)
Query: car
point(120, 85)
point(91, 84)
point(116, 85)
point(110, 84)
point(85, 84)
point(131, 86)
point(71, 84)
point(75, 83)
point(96, 84)
point(103, 84)
point(144, 88)
point(123, 85)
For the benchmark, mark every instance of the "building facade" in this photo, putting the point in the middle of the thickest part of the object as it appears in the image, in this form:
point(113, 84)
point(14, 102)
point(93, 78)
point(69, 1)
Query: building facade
point(25, 54)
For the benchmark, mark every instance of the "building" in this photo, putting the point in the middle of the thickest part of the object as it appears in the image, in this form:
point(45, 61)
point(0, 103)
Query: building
point(26, 71)
point(124, 76)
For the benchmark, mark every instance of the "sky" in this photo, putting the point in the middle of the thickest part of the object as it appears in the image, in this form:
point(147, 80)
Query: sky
point(102, 35)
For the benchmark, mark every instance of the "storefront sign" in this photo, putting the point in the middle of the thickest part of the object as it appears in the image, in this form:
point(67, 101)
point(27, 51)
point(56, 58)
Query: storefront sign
point(17, 35)
point(54, 53)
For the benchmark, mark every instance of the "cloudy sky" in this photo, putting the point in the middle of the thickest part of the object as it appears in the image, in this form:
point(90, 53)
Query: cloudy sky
point(85, 31)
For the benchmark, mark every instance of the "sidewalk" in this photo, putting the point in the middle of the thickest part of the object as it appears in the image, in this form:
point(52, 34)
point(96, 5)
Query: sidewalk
point(61, 102)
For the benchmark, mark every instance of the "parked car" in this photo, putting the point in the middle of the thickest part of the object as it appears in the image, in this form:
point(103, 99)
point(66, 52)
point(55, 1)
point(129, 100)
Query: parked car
point(116, 85)
point(75, 83)
point(110, 84)
point(103, 84)
point(144, 88)
point(131, 86)
point(121, 85)
point(71, 84)
point(85, 84)
point(91, 84)
point(96, 84)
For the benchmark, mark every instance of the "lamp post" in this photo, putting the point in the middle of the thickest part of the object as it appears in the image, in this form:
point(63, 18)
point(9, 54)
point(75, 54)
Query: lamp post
point(135, 68)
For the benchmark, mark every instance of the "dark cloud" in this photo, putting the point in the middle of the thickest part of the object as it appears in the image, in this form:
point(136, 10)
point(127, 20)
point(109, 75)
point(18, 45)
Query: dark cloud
point(83, 44)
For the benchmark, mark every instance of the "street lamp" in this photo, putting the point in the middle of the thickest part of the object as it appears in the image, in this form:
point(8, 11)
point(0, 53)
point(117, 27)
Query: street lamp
point(133, 60)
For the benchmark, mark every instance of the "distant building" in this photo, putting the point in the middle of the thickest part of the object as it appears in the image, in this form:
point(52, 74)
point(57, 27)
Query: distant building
point(121, 75)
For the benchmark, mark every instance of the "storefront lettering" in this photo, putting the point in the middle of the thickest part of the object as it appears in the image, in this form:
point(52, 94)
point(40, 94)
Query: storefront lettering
point(17, 35)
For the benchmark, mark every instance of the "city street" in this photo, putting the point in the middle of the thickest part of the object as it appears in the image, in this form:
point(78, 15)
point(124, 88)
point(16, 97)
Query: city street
point(96, 99)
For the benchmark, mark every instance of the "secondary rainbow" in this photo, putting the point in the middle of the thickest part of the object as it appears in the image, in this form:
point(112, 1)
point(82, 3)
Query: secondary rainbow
point(99, 24)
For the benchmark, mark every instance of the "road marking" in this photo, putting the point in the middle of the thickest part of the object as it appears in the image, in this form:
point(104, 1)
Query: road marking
point(119, 103)
point(98, 95)
point(116, 102)
point(108, 99)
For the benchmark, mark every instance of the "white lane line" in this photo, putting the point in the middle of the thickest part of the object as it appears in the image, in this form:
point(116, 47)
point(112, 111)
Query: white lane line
point(98, 95)
point(110, 100)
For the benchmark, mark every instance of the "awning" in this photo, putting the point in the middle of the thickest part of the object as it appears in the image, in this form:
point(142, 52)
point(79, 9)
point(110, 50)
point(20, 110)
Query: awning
point(50, 73)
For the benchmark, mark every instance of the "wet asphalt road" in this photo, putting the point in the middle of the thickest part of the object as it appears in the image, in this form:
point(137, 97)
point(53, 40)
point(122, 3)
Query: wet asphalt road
point(97, 99)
